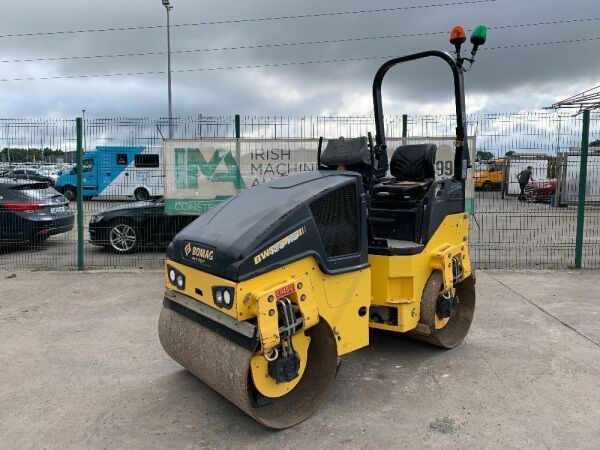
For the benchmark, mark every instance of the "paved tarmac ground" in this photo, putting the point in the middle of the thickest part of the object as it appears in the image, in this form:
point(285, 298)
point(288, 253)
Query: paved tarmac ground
point(81, 367)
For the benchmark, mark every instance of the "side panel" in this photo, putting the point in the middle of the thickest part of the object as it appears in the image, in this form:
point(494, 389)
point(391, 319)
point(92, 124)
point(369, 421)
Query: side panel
point(339, 298)
point(398, 281)
point(121, 180)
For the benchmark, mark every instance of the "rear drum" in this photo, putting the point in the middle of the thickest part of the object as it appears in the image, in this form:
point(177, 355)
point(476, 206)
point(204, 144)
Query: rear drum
point(445, 332)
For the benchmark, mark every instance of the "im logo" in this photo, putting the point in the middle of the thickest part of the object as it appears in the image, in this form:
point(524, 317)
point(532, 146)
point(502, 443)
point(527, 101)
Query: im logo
point(192, 167)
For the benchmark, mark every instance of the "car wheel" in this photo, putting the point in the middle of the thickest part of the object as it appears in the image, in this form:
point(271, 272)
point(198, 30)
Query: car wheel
point(487, 186)
point(70, 192)
point(141, 194)
point(123, 237)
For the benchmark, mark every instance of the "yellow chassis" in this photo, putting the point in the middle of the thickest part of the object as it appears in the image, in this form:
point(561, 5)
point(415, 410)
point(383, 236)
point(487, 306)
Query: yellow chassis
point(340, 300)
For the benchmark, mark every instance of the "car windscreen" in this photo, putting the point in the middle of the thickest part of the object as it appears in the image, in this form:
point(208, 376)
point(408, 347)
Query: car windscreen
point(40, 192)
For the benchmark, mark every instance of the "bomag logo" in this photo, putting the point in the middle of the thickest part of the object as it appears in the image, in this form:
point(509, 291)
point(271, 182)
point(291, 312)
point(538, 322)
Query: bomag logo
point(279, 245)
point(198, 254)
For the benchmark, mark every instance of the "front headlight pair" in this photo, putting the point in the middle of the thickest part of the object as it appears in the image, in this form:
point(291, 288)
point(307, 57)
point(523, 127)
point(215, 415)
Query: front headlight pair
point(223, 296)
point(176, 278)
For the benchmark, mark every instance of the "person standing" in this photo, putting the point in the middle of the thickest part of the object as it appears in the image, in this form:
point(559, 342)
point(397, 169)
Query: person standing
point(524, 177)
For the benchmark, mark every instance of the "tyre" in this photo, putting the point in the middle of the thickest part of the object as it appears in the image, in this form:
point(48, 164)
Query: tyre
point(141, 194)
point(123, 237)
point(70, 193)
point(487, 186)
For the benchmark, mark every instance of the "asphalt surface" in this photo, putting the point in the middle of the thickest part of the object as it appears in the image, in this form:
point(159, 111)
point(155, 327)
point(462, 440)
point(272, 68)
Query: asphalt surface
point(82, 367)
point(505, 234)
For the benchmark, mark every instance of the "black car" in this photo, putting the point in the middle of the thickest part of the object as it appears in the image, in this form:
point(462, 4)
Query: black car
point(28, 174)
point(31, 211)
point(126, 228)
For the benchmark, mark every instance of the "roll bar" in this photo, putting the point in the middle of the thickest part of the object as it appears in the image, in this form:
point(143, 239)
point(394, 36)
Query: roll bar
point(461, 155)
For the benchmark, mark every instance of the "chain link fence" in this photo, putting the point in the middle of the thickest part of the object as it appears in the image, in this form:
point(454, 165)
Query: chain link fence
point(125, 225)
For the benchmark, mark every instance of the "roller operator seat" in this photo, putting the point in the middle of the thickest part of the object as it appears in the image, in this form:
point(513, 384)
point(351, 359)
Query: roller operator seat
point(347, 154)
point(412, 167)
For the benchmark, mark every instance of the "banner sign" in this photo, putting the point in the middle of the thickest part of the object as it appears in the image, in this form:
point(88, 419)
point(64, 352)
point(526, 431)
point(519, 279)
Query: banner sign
point(200, 174)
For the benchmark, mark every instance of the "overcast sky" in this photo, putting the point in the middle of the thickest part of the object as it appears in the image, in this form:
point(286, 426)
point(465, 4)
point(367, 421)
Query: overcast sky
point(501, 80)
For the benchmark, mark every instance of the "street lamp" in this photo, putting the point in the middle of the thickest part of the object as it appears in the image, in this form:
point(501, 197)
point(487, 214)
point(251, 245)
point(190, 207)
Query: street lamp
point(168, 7)
point(83, 120)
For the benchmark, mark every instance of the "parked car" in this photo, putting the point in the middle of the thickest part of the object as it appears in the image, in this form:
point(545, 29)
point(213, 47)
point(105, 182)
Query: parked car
point(126, 228)
point(31, 211)
point(29, 174)
point(540, 190)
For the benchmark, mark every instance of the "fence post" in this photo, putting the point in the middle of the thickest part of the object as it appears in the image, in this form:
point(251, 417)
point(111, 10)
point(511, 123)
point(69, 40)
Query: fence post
point(404, 128)
point(585, 135)
point(237, 126)
point(79, 131)
point(238, 153)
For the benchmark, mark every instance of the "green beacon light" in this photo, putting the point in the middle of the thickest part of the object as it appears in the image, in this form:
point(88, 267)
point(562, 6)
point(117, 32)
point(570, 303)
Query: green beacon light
point(478, 37)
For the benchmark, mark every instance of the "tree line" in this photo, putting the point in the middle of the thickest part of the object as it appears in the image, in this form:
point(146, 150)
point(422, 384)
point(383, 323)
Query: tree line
point(483, 155)
point(29, 154)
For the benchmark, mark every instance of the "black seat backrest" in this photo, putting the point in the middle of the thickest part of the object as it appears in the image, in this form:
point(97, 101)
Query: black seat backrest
point(414, 162)
point(346, 152)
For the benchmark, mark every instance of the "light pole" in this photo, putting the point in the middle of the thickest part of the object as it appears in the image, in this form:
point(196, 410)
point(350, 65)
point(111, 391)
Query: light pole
point(168, 7)
point(83, 120)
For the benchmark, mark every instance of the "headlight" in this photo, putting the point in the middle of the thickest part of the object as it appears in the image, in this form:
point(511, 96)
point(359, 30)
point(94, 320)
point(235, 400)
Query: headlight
point(223, 296)
point(218, 297)
point(176, 277)
point(96, 218)
point(227, 298)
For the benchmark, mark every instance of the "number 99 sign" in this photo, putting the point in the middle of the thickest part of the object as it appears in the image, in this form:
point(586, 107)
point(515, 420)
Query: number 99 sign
point(444, 161)
point(444, 169)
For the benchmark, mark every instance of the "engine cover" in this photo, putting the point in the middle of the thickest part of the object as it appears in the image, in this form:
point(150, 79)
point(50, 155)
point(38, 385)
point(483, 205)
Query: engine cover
point(321, 213)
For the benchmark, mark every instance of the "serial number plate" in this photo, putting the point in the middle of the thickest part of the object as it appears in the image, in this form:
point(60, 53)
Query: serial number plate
point(285, 291)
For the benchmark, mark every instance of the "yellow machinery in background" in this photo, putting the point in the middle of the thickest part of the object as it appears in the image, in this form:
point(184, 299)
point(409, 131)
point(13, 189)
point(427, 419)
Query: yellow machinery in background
point(492, 177)
point(265, 292)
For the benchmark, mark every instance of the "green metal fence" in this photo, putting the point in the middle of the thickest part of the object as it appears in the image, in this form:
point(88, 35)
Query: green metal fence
point(557, 218)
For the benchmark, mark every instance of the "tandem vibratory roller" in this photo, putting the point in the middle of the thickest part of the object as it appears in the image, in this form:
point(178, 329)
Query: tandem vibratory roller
point(265, 292)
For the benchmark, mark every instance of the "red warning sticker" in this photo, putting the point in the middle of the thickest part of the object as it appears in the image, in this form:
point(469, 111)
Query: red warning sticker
point(285, 290)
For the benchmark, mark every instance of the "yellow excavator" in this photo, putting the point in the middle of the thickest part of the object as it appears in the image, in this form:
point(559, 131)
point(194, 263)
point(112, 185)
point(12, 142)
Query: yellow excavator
point(266, 291)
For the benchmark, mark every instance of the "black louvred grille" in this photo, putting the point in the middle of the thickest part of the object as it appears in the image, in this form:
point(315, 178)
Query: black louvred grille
point(335, 214)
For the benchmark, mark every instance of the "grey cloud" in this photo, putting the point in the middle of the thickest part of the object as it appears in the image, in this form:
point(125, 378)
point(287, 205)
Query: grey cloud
point(511, 79)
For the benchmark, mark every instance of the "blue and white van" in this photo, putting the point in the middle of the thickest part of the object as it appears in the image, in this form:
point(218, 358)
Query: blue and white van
point(117, 173)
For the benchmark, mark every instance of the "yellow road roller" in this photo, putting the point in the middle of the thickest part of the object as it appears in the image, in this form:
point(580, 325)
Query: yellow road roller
point(266, 291)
